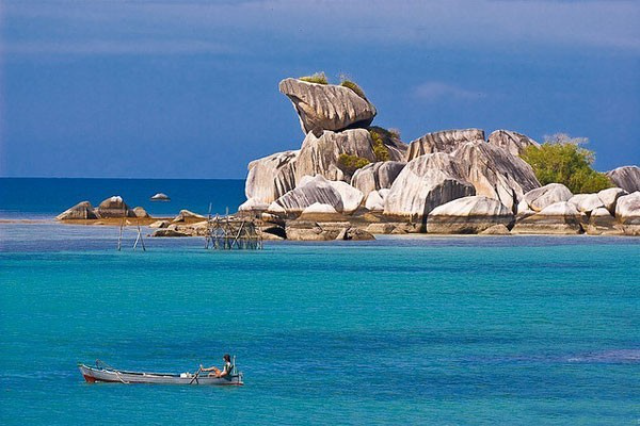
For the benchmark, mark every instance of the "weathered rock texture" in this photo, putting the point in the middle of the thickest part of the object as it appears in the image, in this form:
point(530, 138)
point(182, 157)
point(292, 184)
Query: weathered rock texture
point(114, 207)
point(496, 230)
point(320, 155)
point(169, 233)
point(327, 106)
point(495, 173)
point(340, 195)
point(159, 224)
point(468, 215)
point(187, 216)
point(311, 231)
point(559, 218)
point(425, 183)
point(586, 203)
point(513, 142)
point(540, 198)
point(609, 198)
point(81, 211)
point(140, 212)
point(253, 205)
point(626, 177)
point(375, 202)
point(628, 213)
point(602, 222)
point(376, 176)
point(271, 177)
point(444, 141)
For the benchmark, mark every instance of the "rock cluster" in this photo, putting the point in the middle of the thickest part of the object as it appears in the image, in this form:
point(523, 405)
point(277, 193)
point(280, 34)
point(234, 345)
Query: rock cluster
point(110, 208)
point(451, 181)
point(554, 209)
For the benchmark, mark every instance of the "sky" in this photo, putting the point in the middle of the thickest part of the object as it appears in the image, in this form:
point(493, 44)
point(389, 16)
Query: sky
point(189, 88)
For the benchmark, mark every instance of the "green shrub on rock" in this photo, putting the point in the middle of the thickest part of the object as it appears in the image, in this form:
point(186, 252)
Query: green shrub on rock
point(560, 159)
point(353, 86)
point(381, 137)
point(379, 149)
point(318, 78)
point(351, 163)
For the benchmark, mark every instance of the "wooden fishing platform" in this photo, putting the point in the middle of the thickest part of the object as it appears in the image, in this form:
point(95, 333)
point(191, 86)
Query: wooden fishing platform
point(232, 233)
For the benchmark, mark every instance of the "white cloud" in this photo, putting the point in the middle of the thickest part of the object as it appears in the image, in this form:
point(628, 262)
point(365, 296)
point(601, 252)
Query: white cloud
point(432, 91)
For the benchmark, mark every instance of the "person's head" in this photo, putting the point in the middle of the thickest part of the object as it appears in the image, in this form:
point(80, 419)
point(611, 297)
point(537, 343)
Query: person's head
point(226, 358)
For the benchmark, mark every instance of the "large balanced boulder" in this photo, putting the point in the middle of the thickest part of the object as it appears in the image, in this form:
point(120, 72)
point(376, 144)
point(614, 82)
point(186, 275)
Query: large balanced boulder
point(559, 218)
point(495, 173)
point(376, 176)
point(425, 183)
point(443, 141)
point(81, 211)
point(628, 213)
point(327, 106)
point(514, 142)
point(321, 155)
point(626, 177)
point(468, 215)
point(114, 207)
point(540, 198)
point(271, 177)
point(339, 195)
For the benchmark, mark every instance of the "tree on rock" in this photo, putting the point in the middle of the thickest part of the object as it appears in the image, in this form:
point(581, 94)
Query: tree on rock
point(561, 159)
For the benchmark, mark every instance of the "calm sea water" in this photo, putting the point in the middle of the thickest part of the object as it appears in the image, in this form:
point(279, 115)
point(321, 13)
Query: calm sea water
point(417, 330)
point(36, 197)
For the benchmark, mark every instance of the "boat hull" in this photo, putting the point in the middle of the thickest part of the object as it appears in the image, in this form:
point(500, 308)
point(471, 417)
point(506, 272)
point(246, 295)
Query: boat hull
point(93, 375)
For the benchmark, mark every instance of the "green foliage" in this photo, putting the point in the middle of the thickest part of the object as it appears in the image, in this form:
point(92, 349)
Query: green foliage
point(561, 159)
point(379, 148)
point(353, 86)
point(351, 163)
point(319, 78)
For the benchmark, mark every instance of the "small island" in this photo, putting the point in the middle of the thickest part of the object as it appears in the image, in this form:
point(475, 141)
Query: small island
point(351, 180)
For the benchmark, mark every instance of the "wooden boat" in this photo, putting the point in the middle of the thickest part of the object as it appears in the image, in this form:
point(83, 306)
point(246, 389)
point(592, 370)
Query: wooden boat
point(103, 372)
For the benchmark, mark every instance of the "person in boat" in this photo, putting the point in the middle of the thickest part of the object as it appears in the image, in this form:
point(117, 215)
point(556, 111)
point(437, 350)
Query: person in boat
point(227, 368)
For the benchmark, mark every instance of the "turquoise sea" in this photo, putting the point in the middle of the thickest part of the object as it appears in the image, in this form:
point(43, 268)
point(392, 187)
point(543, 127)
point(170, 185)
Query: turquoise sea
point(402, 330)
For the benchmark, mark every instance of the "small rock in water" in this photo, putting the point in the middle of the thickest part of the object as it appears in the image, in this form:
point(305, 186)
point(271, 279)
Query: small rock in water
point(83, 210)
point(140, 212)
point(114, 207)
point(185, 215)
point(169, 233)
point(160, 197)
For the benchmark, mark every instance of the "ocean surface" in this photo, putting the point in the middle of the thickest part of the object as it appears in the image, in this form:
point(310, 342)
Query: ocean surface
point(402, 330)
point(41, 198)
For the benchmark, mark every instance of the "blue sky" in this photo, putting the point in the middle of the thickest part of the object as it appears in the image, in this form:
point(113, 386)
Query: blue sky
point(188, 89)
